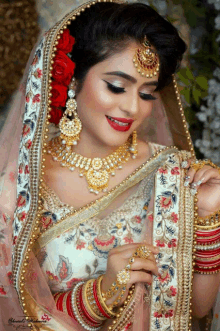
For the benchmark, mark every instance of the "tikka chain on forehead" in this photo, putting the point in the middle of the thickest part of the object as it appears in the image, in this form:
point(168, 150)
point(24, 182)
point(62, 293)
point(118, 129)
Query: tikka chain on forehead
point(146, 60)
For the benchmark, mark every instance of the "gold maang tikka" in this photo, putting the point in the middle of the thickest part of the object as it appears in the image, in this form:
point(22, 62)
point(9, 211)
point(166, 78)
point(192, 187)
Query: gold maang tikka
point(146, 60)
point(70, 128)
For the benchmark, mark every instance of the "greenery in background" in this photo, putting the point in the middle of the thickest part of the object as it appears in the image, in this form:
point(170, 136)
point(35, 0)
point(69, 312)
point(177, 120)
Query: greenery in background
point(193, 89)
point(200, 15)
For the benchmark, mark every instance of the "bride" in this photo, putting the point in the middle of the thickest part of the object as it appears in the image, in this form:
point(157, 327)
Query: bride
point(108, 221)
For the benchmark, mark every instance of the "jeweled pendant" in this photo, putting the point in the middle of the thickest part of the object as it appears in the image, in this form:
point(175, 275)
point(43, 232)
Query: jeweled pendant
point(97, 179)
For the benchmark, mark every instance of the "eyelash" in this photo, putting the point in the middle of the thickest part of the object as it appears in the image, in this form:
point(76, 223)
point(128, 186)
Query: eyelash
point(118, 90)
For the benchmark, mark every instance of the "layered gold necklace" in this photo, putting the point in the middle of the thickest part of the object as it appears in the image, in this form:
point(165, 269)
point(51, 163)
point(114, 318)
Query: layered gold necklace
point(97, 171)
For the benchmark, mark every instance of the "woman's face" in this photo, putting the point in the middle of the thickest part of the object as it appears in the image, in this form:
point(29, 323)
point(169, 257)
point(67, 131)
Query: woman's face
point(114, 89)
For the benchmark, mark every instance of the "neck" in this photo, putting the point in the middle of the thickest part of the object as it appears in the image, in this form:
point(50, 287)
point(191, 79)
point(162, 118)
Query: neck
point(90, 147)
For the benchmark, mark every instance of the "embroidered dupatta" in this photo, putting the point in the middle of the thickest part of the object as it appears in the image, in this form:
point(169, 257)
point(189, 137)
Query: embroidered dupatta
point(29, 295)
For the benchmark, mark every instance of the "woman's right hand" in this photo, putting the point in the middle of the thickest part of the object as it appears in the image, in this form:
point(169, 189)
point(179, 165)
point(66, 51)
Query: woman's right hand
point(141, 269)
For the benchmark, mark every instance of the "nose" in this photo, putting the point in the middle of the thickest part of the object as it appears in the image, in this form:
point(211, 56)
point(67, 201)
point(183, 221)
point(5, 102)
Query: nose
point(130, 104)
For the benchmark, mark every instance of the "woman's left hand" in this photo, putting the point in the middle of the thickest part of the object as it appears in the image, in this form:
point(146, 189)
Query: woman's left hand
point(207, 182)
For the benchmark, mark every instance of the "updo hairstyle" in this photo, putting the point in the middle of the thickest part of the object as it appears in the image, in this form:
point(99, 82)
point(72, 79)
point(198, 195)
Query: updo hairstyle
point(107, 28)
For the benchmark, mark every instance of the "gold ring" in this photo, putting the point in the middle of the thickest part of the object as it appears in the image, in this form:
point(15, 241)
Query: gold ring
point(143, 252)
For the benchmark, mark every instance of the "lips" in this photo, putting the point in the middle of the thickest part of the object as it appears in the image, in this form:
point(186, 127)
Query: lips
point(124, 124)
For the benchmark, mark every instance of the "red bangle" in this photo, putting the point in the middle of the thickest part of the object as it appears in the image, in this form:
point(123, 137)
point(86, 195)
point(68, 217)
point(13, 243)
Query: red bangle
point(208, 252)
point(69, 306)
point(86, 313)
point(208, 263)
point(97, 301)
point(207, 233)
point(79, 305)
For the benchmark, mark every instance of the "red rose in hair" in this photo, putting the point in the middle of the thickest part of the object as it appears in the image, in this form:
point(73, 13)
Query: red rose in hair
point(63, 68)
point(66, 42)
point(59, 94)
point(56, 114)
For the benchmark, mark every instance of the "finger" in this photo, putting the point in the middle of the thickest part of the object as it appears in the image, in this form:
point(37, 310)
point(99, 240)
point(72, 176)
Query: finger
point(193, 176)
point(140, 277)
point(145, 265)
point(189, 177)
point(122, 248)
point(205, 174)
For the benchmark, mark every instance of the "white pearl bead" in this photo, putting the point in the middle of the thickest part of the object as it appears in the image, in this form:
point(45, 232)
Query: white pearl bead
point(72, 168)
point(64, 142)
point(113, 173)
point(133, 156)
point(80, 175)
point(75, 142)
point(49, 152)
point(120, 167)
point(55, 158)
point(91, 190)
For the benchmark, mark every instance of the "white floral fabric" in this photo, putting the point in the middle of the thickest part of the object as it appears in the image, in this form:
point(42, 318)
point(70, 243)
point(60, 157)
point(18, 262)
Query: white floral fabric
point(82, 252)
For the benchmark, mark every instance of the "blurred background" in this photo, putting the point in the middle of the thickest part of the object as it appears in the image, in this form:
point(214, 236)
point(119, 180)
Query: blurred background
point(198, 22)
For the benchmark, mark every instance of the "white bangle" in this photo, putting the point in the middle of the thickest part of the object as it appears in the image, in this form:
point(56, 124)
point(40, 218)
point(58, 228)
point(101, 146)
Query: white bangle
point(76, 312)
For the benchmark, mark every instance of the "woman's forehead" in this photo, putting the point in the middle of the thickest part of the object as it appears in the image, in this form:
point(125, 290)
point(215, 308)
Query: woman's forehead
point(123, 62)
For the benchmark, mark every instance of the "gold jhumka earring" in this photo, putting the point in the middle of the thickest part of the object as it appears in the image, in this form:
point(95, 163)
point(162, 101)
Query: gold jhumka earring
point(133, 147)
point(70, 128)
point(146, 60)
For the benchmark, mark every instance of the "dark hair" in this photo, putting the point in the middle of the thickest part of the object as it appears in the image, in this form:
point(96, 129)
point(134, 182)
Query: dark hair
point(107, 28)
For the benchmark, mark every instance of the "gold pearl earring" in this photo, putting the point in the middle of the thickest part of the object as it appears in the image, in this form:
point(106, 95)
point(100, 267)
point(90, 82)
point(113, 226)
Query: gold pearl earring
point(70, 128)
point(133, 148)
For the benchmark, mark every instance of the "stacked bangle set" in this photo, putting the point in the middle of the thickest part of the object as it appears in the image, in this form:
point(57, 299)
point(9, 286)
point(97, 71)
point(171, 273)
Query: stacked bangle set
point(207, 254)
point(85, 304)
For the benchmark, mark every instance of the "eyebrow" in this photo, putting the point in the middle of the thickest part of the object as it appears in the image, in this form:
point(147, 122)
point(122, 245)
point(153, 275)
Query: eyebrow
point(129, 78)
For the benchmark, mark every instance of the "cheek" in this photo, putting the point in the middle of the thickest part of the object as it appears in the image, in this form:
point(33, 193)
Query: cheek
point(146, 109)
point(96, 97)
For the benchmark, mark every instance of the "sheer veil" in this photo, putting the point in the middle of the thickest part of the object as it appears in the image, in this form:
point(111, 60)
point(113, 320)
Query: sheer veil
point(22, 140)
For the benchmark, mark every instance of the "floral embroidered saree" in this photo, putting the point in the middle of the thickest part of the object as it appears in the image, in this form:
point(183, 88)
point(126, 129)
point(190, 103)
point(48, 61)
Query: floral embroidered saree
point(36, 227)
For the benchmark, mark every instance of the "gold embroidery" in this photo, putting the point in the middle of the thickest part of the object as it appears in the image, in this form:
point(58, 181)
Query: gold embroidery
point(184, 254)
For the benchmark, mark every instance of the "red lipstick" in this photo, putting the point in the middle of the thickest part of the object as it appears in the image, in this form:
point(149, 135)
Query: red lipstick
point(117, 126)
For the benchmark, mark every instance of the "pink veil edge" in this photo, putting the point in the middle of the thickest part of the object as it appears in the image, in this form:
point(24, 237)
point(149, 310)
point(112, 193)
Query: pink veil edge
point(11, 313)
point(39, 291)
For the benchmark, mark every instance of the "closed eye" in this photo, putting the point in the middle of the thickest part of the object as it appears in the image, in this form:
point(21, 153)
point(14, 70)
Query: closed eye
point(117, 90)
point(145, 96)
point(114, 89)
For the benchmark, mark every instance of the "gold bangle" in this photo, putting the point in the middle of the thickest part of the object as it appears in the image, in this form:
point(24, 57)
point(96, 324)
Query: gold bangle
point(64, 302)
point(102, 302)
point(210, 220)
point(86, 303)
point(57, 297)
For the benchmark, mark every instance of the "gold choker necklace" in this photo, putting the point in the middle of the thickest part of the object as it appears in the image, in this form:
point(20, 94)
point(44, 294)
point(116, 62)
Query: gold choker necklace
point(96, 170)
